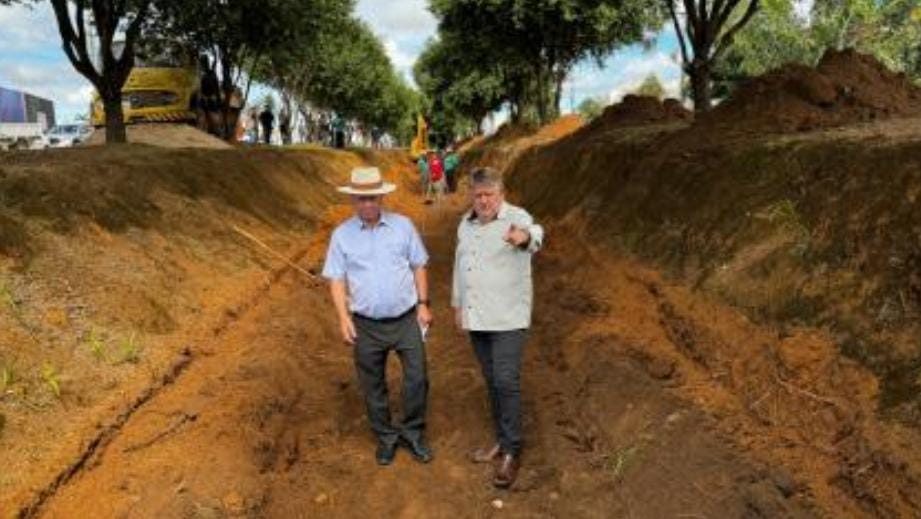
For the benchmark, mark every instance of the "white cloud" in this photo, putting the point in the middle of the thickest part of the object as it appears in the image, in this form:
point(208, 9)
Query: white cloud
point(631, 74)
point(57, 81)
point(403, 26)
point(31, 60)
point(28, 29)
point(397, 19)
point(401, 59)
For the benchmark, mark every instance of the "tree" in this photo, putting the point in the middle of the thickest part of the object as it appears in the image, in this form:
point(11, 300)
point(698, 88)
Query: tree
point(342, 67)
point(652, 87)
point(115, 61)
point(240, 34)
point(590, 108)
point(535, 43)
point(707, 33)
point(888, 29)
point(461, 87)
point(778, 35)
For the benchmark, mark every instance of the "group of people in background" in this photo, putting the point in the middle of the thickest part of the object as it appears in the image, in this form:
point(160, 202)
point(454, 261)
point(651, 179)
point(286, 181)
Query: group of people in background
point(329, 129)
point(438, 173)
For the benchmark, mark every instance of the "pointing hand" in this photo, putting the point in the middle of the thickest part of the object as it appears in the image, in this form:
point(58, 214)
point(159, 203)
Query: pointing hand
point(516, 236)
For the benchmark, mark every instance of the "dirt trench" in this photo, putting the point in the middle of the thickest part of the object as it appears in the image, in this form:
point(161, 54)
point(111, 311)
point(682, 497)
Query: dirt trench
point(267, 420)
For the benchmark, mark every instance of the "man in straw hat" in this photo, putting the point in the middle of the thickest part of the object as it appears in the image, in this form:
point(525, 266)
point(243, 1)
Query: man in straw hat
point(492, 296)
point(376, 265)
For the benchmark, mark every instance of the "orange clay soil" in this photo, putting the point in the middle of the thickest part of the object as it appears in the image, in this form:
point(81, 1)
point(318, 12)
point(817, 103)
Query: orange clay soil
point(267, 421)
point(644, 396)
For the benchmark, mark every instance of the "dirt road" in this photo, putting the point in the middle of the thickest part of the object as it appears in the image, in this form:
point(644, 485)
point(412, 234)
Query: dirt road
point(266, 421)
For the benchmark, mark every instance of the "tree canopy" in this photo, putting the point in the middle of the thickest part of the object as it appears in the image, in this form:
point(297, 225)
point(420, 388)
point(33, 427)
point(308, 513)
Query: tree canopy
point(314, 51)
point(652, 87)
point(888, 29)
point(490, 52)
point(590, 108)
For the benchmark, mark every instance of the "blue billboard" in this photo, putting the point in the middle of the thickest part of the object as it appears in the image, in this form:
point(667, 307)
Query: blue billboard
point(12, 106)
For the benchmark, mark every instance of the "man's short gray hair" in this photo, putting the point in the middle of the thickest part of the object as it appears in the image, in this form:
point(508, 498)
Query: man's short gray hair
point(489, 177)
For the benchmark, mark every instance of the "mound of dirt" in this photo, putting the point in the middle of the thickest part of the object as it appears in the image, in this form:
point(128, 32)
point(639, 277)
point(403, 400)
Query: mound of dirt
point(845, 87)
point(164, 135)
point(119, 264)
point(637, 110)
point(561, 127)
point(501, 148)
point(814, 234)
point(508, 131)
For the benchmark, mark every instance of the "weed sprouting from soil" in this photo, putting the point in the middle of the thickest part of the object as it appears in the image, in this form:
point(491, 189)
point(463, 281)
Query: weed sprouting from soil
point(785, 216)
point(52, 379)
point(96, 345)
point(130, 351)
point(6, 298)
point(7, 378)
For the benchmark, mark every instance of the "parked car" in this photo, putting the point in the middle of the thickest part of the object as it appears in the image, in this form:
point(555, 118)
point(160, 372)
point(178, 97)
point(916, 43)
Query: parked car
point(66, 135)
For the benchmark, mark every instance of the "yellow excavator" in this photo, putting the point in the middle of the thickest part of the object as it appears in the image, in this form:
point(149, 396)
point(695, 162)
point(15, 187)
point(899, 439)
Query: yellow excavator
point(166, 85)
point(160, 88)
point(420, 143)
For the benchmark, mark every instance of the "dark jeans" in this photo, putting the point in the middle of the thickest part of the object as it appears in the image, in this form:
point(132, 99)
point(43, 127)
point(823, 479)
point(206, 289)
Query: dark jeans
point(500, 354)
point(375, 340)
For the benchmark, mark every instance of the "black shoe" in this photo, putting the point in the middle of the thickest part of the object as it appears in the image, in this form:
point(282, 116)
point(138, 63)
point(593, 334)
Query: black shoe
point(386, 451)
point(418, 449)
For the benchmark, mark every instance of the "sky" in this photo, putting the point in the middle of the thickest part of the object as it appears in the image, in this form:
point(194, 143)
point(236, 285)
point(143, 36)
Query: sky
point(31, 58)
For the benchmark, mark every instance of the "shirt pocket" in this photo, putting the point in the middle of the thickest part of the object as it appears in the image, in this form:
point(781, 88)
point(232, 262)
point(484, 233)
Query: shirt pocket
point(396, 252)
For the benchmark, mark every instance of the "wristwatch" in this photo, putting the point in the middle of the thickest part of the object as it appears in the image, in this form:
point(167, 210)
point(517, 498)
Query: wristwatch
point(425, 302)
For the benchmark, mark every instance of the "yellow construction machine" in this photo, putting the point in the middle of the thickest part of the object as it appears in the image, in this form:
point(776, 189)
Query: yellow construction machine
point(420, 143)
point(159, 88)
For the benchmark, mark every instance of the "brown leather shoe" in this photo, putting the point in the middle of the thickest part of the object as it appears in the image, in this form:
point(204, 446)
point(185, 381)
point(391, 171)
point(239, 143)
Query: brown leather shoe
point(485, 454)
point(507, 471)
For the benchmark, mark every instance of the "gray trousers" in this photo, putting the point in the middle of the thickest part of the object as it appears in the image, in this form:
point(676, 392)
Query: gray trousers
point(376, 338)
point(500, 354)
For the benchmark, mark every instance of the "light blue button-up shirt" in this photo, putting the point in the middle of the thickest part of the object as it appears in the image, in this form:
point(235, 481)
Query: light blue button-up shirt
point(377, 264)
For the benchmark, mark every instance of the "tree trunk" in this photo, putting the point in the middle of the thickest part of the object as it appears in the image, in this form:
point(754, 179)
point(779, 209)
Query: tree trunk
point(227, 129)
point(541, 97)
point(701, 86)
point(515, 111)
point(115, 118)
point(558, 94)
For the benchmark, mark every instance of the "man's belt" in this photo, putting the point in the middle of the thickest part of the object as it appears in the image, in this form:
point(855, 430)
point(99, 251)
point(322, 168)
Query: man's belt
point(386, 319)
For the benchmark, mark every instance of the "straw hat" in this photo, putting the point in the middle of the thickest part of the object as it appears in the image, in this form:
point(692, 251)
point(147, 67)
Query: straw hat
point(367, 181)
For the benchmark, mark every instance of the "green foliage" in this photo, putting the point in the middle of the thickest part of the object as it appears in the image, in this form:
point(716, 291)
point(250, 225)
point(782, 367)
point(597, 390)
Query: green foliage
point(52, 379)
point(268, 102)
point(887, 29)
point(622, 460)
point(96, 345)
point(521, 51)
point(591, 107)
point(7, 299)
point(343, 67)
point(461, 91)
point(706, 30)
point(130, 350)
point(652, 87)
point(7, 378)
point(784, 216)
point(248, 37)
